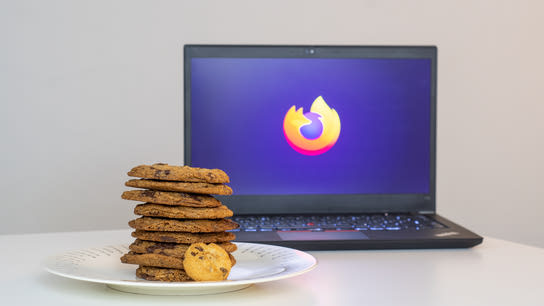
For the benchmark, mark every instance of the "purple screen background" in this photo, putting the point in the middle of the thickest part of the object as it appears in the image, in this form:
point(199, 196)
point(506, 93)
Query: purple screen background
point(238, 106)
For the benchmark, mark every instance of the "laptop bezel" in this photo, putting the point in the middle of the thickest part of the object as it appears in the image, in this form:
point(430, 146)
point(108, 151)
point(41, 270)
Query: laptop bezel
point(319, 203)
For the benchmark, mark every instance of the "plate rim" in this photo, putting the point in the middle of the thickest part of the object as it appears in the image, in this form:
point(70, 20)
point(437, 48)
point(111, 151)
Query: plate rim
point(312, 261)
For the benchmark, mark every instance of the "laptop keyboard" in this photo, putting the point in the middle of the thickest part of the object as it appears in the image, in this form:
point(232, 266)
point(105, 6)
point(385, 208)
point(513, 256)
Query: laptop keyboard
point(359, 222)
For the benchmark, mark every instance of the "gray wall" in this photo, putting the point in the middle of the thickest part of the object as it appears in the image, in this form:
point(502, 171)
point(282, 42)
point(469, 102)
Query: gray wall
point(91, 88)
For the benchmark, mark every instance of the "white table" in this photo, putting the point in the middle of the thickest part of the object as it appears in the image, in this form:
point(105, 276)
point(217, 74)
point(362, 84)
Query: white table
point(494, 273)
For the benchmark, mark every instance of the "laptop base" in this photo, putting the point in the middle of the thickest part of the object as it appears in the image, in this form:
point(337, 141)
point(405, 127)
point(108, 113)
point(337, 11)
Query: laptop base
point(452, 236)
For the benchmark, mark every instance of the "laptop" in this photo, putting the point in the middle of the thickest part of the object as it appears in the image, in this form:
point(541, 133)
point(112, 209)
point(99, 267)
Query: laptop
point(327, 147)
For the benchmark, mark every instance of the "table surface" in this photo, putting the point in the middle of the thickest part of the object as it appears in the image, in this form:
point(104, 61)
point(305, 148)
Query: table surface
point(496, 272)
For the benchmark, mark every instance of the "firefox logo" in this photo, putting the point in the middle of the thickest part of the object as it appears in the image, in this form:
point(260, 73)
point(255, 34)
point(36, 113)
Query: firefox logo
point(314, 132)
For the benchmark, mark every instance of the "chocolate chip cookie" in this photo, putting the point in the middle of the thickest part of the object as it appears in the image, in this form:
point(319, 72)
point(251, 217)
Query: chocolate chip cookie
point(170, 249)
point(190, 225)
point(179, 173)
point(162, 274)
point(183, 237)
point(201, 188)
point(182, 212)
point(164, 261)
point(207, 262)
point(171, 198)
point(153, 260)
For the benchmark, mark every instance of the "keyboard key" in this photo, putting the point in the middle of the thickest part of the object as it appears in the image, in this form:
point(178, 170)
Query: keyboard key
point(393, 228)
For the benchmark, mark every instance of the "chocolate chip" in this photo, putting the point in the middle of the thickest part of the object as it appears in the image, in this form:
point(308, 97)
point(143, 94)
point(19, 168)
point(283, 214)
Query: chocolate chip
point(193, 253)
point(192, 196)
point(225, 271)
point(201, 257)
point(148, 193)
point(167, 238)
point(167, 245)
point(146, 276)
point(166, 172)
point(151, 249)
point(160, 246)
point(199, 248)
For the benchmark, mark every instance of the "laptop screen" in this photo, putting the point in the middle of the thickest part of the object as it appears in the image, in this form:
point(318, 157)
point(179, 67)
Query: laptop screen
point(313, 124)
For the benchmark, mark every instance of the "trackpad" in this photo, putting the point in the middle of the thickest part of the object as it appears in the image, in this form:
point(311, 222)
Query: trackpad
point(294, 235)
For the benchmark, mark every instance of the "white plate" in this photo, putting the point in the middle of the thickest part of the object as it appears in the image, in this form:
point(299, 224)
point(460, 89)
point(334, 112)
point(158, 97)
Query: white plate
point(255, 263)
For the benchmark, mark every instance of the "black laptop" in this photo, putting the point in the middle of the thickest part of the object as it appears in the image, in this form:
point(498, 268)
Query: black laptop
point(327, 147)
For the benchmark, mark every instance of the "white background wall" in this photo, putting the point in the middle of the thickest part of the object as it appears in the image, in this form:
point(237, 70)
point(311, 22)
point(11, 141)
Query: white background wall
point(90, 88)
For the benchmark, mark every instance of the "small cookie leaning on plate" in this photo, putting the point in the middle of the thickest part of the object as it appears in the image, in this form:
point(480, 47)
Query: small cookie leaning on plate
point(167, 172)
point(207, 262)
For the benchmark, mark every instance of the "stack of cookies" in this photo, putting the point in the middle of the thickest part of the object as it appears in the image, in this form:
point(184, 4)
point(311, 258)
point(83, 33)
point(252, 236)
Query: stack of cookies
point(179, 213)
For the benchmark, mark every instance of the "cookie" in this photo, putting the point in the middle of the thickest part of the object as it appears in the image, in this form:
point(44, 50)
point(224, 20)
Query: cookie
point(159, 260)
point(153, 260)
point(182, 212)
point(170, 249)
point(202, 188)
point(207, 262)
point(179, 173)
point(162, 274)
point(171, 198)
point(183, 237)
point(189, 225)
